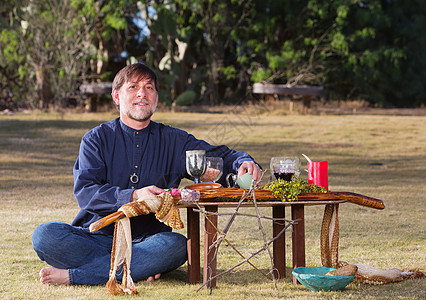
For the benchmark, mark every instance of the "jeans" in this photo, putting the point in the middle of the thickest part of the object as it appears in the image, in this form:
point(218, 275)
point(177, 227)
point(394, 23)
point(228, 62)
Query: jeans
point(87, 256)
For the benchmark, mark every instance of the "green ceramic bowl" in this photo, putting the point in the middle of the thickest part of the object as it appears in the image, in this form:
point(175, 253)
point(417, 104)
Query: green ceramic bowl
point(313, 279)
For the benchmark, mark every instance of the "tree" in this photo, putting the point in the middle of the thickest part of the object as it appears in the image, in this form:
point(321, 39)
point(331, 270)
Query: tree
point(193, 44)
point(391, 66)
point(13, 75)
point(220, 21)
point(51, 49)
point(357, 49)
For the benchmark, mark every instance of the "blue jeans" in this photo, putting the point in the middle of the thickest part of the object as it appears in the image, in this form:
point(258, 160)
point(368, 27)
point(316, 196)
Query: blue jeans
point(87, 256)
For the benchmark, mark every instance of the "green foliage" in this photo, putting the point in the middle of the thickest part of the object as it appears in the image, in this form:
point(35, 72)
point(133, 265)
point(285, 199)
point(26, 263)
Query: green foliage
point(352, 48)
point(290, 190)
point(13, 66)
point(229, 72)
point(9, 41)
point(186, 98)
point(48, 52)
point(379, 48)
point(260, 75)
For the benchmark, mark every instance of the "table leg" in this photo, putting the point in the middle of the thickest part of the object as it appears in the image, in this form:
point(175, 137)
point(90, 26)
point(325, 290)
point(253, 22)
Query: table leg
point(210, 235)
point(193, 245)
point(298, 237)
point(279, 243)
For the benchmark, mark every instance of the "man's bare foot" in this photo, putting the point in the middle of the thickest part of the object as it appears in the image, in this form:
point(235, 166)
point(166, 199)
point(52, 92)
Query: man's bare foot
point(152, 278)
point(51, 275)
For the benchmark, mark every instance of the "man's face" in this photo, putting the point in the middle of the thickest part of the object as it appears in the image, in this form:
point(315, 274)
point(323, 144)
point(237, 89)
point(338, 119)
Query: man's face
point(137, 100)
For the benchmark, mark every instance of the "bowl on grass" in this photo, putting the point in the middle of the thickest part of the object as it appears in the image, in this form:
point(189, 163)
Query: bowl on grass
point(314, 279)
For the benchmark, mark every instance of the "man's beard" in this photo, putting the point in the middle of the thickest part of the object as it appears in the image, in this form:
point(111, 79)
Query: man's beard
point(144, 115)
point(140, 117)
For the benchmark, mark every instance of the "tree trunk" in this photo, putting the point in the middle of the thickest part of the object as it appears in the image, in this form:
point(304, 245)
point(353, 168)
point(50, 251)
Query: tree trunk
point(214, 76)
point(44, 91)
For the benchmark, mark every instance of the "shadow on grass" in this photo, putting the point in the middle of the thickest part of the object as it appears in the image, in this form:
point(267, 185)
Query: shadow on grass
point(235, 277)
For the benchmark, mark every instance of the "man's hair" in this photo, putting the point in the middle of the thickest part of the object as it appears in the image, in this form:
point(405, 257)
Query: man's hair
point(138, 71)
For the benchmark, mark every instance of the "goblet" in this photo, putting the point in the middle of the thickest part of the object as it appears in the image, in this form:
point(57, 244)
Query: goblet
point(196, 164)
point(285, 167)
point(214, 169)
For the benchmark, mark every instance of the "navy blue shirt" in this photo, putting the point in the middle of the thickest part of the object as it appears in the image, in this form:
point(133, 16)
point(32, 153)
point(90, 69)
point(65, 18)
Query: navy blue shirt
point(157, 155)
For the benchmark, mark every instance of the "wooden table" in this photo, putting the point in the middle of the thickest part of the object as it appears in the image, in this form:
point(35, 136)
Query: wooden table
point(278, 211)
point(209, 202)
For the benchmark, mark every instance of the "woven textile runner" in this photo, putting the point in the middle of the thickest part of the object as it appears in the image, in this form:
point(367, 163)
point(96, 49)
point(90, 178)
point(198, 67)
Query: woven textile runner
point(121, 255)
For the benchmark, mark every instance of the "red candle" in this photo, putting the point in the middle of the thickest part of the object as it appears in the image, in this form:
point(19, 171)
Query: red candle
point(318, 173)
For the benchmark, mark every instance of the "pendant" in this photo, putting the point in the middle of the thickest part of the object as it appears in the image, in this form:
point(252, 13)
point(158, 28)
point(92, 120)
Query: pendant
point(134, 178)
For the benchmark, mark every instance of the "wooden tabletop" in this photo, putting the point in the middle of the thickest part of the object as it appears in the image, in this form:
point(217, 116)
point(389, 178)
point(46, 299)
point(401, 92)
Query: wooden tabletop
point(221, 196)
point(260, 204)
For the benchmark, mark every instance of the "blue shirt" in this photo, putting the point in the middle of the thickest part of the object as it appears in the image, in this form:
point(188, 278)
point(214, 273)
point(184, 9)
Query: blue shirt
point(157, 155)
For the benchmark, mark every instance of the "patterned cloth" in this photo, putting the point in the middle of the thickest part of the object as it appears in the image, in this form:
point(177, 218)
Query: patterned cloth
point(121, 255)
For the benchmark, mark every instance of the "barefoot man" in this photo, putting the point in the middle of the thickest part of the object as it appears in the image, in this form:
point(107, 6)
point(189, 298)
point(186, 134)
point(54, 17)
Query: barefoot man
point(120, 161)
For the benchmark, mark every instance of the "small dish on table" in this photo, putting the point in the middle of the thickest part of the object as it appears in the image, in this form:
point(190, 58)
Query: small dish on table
point(204, 186)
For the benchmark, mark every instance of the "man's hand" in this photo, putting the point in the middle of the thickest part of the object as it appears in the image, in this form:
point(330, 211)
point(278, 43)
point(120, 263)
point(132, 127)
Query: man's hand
point(252, 168)
point(148, 190)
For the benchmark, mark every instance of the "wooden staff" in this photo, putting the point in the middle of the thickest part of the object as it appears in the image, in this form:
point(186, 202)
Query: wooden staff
point(264, 195)
point(218, 194)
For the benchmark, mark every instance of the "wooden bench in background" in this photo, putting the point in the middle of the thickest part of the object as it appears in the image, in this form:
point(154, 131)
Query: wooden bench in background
point(272, 90)
point(95, 90)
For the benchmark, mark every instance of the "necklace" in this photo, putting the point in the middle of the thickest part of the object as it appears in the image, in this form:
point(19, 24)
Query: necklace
point(134, 178)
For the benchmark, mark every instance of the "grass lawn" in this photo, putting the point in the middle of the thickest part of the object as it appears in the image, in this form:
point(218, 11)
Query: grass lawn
point(379, 155)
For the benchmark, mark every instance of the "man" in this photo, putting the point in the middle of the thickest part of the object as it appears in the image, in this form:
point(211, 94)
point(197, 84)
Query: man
point(120, 161)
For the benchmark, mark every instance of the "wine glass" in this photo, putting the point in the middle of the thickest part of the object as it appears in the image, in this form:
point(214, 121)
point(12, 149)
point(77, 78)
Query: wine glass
point(196, 163)
point(214, 169)
point(285, 167)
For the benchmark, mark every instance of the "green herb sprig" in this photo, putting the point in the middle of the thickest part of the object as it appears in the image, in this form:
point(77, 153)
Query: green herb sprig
point(290, 190)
